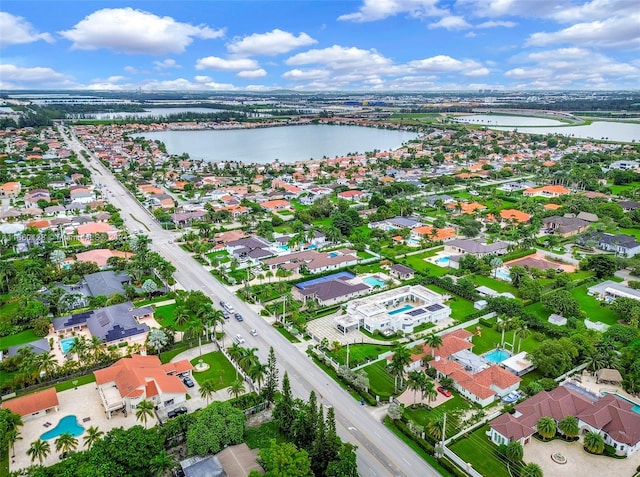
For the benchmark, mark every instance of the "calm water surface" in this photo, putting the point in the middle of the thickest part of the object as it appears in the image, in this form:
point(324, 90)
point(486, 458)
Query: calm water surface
point(287, 144)
point(501, 120)
point(149, 113)
point(609, 130)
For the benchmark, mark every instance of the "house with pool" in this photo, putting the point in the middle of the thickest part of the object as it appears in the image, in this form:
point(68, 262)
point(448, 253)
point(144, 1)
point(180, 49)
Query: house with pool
point(400, 309)
point(481, 379)
point(615, 418)
point(129, 381)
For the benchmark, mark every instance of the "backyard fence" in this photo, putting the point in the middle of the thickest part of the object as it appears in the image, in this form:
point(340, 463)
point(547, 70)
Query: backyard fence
point(464, 466)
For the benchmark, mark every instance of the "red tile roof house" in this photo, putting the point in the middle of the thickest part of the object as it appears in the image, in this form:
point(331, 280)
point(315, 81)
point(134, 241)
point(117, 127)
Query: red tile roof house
point(546, 191)
point(127, 382)
point(10, 189)
point(86, 231)
point(609, 416)
point(274, 205)
point(33, 405)
point(473, 377)
point(354, 195)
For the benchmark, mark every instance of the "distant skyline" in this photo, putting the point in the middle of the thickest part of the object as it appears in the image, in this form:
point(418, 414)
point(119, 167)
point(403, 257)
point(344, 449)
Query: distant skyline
point(321, 45)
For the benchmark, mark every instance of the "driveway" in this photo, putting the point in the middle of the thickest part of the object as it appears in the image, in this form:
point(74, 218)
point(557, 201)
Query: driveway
point(578, 461)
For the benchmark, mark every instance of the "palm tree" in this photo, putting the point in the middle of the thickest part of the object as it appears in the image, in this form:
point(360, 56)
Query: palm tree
point(593, 442)
point(237, 388)
point(13, 436)
point(569, 426)
point(39, 450)
point(162, 463)
point(182, 316)
point(93, 435)
point(429, 390)
point(207, 388)
point(415, 382)
point(401, 358)
point(144, 410)
point(66, 442)
point(546, 427)
point(257, 373)
point(434, 341)
point(531, 470)
point(434, 427)
point(248, 358)
point(514, 452)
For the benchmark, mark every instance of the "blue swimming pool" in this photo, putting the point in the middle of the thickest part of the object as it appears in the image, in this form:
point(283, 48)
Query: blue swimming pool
point(400, 310)
point(635, 408)
point(66, 344)
point(67, 424)
point(442, 261)
point(503, 274)
point(497, 355)
point(373, 282)
point(333, 254)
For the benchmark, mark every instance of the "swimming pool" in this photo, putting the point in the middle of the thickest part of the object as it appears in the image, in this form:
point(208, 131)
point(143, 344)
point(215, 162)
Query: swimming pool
point(284, 247)
point(503, 274)
point(373, 282)
point(635, 408)
point(400, 310)
point(333, 254)
point(497, 355)
point(66, 344)
point(442, 261)
point(67, 424)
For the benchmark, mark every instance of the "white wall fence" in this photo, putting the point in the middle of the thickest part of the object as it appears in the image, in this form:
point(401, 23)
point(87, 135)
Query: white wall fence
point(464, 466)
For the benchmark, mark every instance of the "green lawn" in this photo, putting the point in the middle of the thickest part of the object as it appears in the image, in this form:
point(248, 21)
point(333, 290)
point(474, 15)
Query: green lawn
point(63, 386)
point(167, 356)
point(359, 353)
point(498, 285)
point(260, 437)
point(490, 339)
point(380, 381)
point(220, 370)
point(633, 232)
point(478, 450)
point(364, 255)
point(166, 316)
point(596, 310)
point(23, 337)
point(418, 263)
point(422, 415)
point(460, 307)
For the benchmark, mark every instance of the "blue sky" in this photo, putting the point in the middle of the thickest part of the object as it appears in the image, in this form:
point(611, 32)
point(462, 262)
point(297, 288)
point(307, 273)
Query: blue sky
point(376, 45)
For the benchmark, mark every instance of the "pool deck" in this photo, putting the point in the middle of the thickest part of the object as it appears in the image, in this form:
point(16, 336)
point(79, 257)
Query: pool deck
point(82, 402)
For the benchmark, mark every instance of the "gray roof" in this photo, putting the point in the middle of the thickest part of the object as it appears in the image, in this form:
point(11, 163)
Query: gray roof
point(106, 283)
point(403, 222)
point(601, 288)
point(249, 242)
point(202, 467)
point(332, 289)
point(402, 269)
point(475, 246)
point(38, 347)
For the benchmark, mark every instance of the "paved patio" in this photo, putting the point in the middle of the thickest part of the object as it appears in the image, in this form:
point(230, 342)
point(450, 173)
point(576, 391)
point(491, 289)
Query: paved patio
point(82, 402)
point(578, 461)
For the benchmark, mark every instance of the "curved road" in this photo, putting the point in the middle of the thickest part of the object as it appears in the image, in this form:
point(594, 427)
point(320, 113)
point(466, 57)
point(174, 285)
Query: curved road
point(380, 452)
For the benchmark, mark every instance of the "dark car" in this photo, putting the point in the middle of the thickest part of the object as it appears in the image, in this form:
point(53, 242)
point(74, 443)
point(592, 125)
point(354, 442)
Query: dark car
point(188, 382)
point(176, 412)
point(238, 317)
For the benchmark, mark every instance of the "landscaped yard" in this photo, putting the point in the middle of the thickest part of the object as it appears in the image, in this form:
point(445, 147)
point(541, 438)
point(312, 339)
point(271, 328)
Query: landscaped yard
point(596, 310)
point(220, 370)
point(490, 339)
point(381, 383)
point(460, 307)
point(422, 415)
point(479, 451)
point(166, 316)
point(500, 286)
point(359, 353)
point(26, 336)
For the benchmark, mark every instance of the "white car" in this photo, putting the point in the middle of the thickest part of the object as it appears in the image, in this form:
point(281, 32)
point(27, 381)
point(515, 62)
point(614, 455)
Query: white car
point(239, 339)
point(253, 333)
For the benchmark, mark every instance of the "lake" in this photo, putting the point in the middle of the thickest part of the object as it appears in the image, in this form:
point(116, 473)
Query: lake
point(505, 120)
point(285, 143)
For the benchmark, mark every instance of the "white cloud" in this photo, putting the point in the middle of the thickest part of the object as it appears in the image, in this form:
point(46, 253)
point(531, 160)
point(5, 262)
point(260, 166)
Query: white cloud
point(306, 75)
point(221, 64)
point(496, 23)
point(259, 73)
point(451, 22)
point(342, 58)
point(272, 43)
point(132, 70)
point(501, 8)
point(125, 30)
point(110, 79)
point(16, 30)
point(372, 10)
point(169, 63)
point(595, 10)
point(202, 79)
point(17, 77)
point(613, 32)
point(445, 64)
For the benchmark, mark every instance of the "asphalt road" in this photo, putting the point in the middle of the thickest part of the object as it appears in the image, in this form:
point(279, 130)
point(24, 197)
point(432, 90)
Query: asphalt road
point(380, 452)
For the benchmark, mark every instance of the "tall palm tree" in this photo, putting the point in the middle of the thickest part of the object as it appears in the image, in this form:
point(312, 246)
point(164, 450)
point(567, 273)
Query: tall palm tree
point(531, 470)
point(429, 390)
point(207, 388)
point(401, 358)
point(235, 351)
point(13, 435)
point(237, 388)
point(39, 450)
point(546, 427)
point(144, 410)
point(594, 442)
point(93, 435)
point(195, 329)
point(182, 316)
point(569, 426)
point(434, 341)
point(514, 452)
point(415, 382)
point(248, 358)
point(257, 373)
point(66, 442)
point(434, 427)
point(163, 463)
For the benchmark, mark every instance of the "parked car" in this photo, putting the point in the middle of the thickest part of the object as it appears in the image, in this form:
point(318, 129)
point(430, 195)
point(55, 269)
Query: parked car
point(177, 411)
point(253, 332)
point(226, 315)
point(444, 392)
point(238, 317)
point(188, 382)
point(239, 339)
